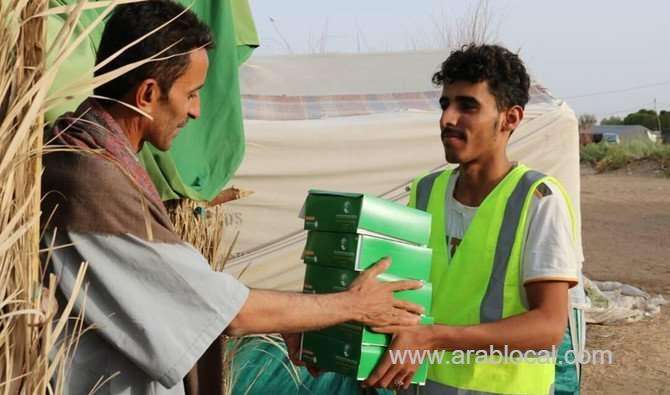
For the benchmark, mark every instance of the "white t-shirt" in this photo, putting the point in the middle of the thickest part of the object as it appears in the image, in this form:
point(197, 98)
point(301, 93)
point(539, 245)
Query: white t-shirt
point(549, 252)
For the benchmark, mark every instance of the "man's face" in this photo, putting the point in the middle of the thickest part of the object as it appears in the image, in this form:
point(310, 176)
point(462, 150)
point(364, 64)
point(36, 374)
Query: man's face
point(471, 123)
point(172, 111)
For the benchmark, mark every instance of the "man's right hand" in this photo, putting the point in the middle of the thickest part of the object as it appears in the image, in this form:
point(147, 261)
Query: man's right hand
point(368, 300)
point(374, 300)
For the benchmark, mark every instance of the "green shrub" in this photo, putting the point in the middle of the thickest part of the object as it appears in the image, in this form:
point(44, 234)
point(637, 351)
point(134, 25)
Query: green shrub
point(605, 156)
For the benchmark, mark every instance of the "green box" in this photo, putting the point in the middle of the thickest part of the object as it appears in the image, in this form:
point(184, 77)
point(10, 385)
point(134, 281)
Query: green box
point(358, 252)
point(364, 214)
point(354, 361)
point(356, 333)
point(324, 279)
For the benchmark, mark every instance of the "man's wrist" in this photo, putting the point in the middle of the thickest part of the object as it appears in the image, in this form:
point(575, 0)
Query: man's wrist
point(350, 306)
point(343, 306)
point(440, 337)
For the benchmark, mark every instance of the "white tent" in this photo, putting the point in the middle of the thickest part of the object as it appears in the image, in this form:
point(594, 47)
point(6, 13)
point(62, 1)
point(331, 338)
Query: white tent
point(359, 123)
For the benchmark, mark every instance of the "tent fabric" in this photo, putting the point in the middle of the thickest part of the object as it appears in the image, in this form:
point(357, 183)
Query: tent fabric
point(283, 108)
point(208, 150)
point(377, 153)
point(350, 74)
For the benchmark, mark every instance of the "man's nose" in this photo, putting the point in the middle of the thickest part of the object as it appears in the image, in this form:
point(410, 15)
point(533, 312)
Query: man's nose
point(449, 117)
point(194, 110)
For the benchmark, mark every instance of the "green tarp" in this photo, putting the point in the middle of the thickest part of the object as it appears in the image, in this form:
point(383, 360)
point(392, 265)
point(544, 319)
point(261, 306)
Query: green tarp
point(207, 151)
point(260, 368)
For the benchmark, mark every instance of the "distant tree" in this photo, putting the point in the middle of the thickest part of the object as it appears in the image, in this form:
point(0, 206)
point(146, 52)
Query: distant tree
point(646, 118)
point(586, 121)
point(612, 121)
point(665, 120)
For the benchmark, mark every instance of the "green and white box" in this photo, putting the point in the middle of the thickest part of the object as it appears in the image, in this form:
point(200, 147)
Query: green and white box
point(359, 252)
point(324, 279)
point(364, 214)
point(344, 358)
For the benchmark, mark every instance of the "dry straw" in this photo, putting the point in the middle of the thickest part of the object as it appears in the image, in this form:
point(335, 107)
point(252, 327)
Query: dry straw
point(34, 349)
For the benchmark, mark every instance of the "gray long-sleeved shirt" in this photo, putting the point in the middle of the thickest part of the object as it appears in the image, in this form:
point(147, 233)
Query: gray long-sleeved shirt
point(156, 307)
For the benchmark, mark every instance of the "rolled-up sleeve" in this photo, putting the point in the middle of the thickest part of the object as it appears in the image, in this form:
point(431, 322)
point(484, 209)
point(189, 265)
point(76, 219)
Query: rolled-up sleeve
point(159, 304)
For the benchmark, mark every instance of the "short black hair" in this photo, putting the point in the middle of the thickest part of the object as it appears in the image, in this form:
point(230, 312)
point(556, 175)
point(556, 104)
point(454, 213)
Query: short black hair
point(504, 71)
point(127, 23)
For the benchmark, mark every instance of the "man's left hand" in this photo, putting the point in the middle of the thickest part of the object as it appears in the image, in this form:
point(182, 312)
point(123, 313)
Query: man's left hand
point(406, 340)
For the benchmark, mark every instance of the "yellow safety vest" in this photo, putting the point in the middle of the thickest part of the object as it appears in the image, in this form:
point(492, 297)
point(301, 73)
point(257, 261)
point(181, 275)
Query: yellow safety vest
point(482, 281)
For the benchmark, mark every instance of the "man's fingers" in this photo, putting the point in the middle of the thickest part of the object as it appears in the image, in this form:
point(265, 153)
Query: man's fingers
point(379, 372)
point(386, 329)
point(401, 317)
point(407, 380)
point(379, 267)
point(298, 362)
point(389, 379)
point(408, 306)
point(405, 285)
point(313, 370)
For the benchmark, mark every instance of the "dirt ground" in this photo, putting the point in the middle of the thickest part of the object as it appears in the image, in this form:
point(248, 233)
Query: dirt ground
point(626, 232)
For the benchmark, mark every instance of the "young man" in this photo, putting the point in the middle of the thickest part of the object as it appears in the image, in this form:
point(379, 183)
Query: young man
point(504, 253)
point(153, 302)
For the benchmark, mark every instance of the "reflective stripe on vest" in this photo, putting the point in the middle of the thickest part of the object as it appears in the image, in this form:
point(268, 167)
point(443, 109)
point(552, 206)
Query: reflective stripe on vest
point(423, 188)
point(492, 305)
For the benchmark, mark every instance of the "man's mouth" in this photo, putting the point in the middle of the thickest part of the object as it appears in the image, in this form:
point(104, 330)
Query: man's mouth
point(450, 135)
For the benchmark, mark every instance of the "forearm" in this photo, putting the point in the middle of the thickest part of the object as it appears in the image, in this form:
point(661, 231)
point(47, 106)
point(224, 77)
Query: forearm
point(533, 330)
point(288, 312)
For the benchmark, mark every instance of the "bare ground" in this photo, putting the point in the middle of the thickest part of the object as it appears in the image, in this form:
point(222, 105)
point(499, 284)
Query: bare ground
point(626, 232)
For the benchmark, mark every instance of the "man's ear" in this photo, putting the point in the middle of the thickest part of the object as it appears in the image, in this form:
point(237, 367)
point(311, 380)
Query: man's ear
point(147, 95)
point(512, 119)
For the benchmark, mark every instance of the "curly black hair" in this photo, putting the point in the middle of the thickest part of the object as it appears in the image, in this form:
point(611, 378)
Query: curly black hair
point(128, 23)
point(504, 71)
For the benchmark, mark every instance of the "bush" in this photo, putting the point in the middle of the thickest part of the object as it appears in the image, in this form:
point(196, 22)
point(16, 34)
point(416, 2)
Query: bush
point(605, 156)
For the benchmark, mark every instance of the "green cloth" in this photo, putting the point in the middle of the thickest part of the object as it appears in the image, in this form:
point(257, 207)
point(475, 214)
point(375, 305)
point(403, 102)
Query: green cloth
point(80, 63)
point(567, 380)
point(209, 150)
point(246, 37)
point(260, 368)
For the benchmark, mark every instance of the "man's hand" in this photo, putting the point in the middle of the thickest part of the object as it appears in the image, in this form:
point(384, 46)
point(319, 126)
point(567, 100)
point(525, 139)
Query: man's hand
point(367, 300)
point(406, 340)
point(292, 341)
point(375, 302)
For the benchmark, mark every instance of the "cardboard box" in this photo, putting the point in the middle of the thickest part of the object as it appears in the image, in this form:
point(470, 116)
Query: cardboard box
point(364, 214)
point(337, 356)
point(358, 252)
point(358, 334)
point(324, 279)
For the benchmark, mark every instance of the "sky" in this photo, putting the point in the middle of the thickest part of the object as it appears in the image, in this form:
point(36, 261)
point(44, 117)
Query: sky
point(580, 50)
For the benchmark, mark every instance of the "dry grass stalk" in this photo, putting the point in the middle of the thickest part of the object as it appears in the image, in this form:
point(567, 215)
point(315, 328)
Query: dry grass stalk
point(28, 326)
point(202, 227)
point(34, 347)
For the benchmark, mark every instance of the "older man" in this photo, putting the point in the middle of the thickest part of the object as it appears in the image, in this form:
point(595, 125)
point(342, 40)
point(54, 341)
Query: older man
point(153, 301)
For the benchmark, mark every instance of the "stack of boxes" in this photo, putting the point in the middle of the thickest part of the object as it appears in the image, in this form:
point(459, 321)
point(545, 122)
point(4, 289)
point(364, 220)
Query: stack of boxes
point(348, 233)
